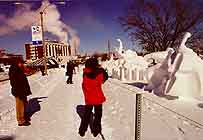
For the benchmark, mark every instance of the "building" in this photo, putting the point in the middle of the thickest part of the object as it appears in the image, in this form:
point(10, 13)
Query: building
point(53, 49)
point(2, 52)
point(6, 58)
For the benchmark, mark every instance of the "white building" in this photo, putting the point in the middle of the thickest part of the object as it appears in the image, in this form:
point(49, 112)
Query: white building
point(53, 49)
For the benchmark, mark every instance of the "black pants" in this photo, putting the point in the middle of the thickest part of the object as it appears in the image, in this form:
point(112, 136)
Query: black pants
point(69, 80)
point(96, 119)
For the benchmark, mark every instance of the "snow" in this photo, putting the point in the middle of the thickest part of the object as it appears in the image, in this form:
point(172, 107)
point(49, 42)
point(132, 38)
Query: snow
point(164, 77)
point(175, 116)
point(57, 119)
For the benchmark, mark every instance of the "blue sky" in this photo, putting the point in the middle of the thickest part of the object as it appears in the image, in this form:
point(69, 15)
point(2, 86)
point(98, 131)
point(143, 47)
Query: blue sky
point(95, 21)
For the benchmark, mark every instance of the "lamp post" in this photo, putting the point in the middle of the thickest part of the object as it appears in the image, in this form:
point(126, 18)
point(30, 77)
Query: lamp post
point(43, 44)
point(109, 49)
point(42, 26)
point(43, 40)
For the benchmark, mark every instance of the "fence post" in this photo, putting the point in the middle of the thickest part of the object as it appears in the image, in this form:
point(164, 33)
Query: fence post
point(138, 117)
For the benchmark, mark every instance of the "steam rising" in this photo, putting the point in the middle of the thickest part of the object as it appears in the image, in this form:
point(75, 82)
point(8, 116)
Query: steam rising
point(25, 17)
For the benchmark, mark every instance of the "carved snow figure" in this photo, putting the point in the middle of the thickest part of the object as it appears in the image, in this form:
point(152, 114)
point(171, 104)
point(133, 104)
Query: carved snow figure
point(160, 76)
point(187, 69)
point(181, 78)
point(120, 49)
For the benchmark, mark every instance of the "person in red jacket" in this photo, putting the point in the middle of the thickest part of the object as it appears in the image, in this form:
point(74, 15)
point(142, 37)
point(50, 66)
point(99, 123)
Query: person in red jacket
point(93, 78)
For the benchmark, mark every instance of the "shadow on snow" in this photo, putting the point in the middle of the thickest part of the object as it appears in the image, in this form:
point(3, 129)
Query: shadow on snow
point(34, 106)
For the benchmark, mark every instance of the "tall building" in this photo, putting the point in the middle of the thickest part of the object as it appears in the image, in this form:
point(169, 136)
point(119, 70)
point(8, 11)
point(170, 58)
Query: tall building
point(53, 48)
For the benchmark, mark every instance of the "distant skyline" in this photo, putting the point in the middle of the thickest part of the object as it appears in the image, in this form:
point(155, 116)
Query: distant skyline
point(91, 23)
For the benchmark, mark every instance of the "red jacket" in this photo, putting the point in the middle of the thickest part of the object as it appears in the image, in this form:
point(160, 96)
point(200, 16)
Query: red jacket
point(92, 86)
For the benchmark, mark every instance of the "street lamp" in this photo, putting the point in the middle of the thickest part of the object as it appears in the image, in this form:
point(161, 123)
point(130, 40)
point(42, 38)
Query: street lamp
point(43, 40)
point(43, 44)
point(42, 25)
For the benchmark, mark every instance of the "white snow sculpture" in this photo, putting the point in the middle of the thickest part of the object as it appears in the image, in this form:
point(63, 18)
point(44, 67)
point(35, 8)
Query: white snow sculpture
point(157, 56)
point(185, 78)
point(160, 76)
point(120, 49)
point(127, 64)
point(133, 60)
point(130, 57)
point(134, 64)
point(173, 69)
point(110, 65)
point(188, 80)
point(111, 59)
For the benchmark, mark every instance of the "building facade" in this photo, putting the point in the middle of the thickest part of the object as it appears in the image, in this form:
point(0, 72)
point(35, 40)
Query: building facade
point(7, 58)
point(53, 49)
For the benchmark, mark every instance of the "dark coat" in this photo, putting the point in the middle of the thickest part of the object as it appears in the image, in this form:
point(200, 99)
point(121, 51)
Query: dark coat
point(19, 83)
point(70, 68)
point(92, 85)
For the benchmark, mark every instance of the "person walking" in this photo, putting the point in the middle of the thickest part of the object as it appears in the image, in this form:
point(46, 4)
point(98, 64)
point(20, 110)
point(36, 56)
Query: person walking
point(42, 69)
point(20, 89)
point(93, 78)
point(69, 72)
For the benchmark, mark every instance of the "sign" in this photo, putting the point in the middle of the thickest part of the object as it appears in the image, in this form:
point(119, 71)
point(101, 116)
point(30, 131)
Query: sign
point(36, 35)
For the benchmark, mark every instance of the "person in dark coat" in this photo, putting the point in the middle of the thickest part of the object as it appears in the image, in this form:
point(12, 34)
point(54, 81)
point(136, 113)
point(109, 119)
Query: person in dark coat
point(93, 78)
point(69, 72)
point(20, 89)
point(42, 69)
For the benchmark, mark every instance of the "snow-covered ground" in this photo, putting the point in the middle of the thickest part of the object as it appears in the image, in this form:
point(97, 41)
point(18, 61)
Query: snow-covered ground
point(55, 118)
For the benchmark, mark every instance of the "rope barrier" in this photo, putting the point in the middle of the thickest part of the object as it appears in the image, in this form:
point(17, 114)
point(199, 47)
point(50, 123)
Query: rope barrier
point(196, 123)
point(175, 113)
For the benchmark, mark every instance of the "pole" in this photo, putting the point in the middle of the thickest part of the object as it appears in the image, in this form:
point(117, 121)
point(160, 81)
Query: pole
point(43, 45)
point(109, 49)
point(138, 117)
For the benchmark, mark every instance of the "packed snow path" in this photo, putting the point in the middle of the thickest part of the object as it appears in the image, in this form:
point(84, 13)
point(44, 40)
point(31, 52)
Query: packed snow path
point(55, 117)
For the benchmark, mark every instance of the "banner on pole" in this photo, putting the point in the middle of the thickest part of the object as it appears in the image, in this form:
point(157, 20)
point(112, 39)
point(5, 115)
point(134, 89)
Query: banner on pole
point(36, 35)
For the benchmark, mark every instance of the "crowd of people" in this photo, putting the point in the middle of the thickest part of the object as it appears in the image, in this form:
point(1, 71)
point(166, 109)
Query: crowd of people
point(93, 78)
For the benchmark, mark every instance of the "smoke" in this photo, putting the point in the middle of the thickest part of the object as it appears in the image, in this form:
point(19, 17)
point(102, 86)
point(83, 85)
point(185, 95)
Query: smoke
point(74, 42)
point(21, 20)
point(52, 21)
point(25, 17)
point(58, 28)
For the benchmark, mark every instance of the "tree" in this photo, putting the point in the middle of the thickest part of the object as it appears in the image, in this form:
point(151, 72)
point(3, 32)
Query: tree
point(159, 24)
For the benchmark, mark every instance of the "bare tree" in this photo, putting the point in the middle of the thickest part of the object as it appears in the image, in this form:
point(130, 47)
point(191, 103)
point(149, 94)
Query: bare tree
point(158, 24)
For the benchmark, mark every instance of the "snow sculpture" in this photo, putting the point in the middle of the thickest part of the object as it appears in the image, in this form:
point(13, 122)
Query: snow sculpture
point(188, 74)
point(160, 76)
point(173, 69)
point(157, 56)
point(181, 78)
point(130, 58)
point(127, 65)
point(120, 49)
point(134, 64)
